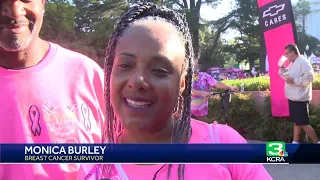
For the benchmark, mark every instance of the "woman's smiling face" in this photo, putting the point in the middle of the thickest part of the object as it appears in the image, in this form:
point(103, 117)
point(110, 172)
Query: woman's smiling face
point(146, 77)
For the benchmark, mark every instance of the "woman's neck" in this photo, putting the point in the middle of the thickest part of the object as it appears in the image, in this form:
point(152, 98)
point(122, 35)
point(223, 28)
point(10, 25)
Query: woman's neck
point(163, 136)
point(137, 136)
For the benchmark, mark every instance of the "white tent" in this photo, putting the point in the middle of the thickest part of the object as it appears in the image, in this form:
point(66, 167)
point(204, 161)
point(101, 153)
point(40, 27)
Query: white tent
point(312, 55)
point(267, 64)
point(313, 59)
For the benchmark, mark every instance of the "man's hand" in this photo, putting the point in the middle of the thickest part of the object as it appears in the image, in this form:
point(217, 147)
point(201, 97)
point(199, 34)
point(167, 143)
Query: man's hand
point(233, 89)
point(289, 80)
point(199, 93)
point(207, 96)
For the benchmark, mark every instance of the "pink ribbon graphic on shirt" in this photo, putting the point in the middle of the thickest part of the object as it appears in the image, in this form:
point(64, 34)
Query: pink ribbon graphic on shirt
point(34, 115)
point(86, 116)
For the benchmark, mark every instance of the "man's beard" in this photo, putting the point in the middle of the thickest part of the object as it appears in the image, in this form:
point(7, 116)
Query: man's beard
point(18, 42)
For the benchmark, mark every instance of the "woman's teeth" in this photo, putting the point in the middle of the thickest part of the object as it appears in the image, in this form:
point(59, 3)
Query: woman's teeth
point(137, 104)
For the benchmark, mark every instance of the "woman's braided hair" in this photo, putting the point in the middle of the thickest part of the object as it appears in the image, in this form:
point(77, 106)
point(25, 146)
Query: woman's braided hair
point(138, 12)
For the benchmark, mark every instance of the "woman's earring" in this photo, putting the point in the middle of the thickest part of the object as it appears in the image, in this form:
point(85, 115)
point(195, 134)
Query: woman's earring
point(178, 108)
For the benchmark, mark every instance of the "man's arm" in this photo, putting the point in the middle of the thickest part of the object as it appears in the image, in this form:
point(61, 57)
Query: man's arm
point(282, 70)
point(307, 76)
point(214, 83)
point(200, 93)
point(221, 85)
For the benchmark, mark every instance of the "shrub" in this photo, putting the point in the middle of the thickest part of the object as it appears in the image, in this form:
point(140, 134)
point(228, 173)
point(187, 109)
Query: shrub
point(237, 114)
point(263, 83)
point(243, 116)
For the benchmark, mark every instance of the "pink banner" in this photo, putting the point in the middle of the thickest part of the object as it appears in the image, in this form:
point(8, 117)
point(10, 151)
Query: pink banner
point(277, 24)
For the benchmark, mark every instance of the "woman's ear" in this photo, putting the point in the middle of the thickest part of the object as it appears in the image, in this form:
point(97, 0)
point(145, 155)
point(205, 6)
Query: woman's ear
point(183, 82)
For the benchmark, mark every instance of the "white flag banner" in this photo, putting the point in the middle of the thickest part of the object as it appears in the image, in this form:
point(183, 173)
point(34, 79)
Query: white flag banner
point(267, 64)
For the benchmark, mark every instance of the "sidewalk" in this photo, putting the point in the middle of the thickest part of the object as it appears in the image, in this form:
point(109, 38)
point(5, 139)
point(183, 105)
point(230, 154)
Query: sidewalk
point(255, 142)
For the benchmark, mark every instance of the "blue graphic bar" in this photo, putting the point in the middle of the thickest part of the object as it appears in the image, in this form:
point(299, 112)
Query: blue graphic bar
point(158, 153)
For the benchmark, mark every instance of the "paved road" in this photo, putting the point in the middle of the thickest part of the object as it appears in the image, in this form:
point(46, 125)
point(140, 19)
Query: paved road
point(292, 171)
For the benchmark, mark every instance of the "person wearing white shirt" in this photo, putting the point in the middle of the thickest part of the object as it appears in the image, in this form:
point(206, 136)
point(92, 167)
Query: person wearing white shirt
point(298, 90)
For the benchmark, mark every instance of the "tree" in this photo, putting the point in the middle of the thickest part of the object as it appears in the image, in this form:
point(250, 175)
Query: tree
point(85, 25)
point(58, 21)
point(246, 49)
point(191, 8)
point(94, 23)
point(301, 10)
point(247, 46)
point(92, 12)
point(311, 41)
point(212, 47)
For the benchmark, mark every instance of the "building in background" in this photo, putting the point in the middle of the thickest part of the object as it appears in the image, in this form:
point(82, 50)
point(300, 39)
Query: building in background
point(313, 19)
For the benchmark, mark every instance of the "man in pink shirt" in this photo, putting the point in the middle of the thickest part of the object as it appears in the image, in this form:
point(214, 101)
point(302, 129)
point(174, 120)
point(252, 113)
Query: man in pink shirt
point(48, 94)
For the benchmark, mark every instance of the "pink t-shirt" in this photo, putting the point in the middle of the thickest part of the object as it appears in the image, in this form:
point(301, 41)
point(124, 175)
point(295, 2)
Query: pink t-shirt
point(204, 82)
point(200, 134)
point(60, 100)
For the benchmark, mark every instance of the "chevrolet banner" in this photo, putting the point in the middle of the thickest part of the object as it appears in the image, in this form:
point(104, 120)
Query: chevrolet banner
point(278, 27)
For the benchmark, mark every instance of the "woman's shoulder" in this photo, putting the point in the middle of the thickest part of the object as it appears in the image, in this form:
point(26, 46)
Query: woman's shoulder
point(225, 133)
point(230, 135)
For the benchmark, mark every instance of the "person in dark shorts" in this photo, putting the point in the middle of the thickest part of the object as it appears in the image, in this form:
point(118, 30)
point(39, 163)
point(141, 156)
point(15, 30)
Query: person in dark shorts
point(298, 90)
point(299, 112)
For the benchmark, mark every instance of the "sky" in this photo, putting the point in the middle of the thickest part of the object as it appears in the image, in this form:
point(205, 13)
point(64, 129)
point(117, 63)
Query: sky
point(221, 10)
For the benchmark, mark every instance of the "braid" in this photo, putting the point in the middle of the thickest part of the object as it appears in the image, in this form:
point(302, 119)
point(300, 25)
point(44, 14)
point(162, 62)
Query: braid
point(140, 11)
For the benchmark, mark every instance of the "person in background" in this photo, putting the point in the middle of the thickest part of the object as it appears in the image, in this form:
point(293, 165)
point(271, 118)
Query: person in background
point(202, 85)
point(146, 84)
point(241, 75)
point(316, 68)
point(48, 94)
point(253, 72)
point(298, 90)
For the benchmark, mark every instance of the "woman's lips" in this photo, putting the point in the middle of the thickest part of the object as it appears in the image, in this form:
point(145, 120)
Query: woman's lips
point(138, 104)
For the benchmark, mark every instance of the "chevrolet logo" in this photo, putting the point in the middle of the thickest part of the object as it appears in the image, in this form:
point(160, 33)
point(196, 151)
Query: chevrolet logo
point(276, 9)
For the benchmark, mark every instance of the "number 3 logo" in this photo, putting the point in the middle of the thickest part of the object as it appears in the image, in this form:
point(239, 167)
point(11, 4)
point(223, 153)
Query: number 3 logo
point(274, 148)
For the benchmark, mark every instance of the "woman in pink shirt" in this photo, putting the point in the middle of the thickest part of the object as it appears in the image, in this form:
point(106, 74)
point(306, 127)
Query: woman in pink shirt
point(149, 67)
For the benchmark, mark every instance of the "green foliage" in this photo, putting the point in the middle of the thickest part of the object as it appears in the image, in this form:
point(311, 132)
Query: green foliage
point(252, 123)
point(85, 26)
point(58, 21)
point(316, 83)
point(312, 42)
point(247, 46)
point(301, 10)
point(246, 49)
point(212, 50)
point(263, 83)
point(251, 84)
point(237, 113)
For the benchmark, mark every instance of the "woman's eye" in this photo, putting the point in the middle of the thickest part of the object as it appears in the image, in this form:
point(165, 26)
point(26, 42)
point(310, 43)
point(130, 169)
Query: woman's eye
point(125, 66)
point(161, 71)
point(27, 1)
